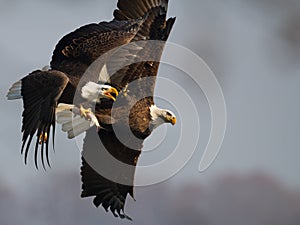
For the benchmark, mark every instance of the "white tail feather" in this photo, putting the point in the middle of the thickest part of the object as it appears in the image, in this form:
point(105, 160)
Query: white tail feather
point(64, 117)
point(64, 107)
point(81, 126)
point(15, 91)
point(72, 123)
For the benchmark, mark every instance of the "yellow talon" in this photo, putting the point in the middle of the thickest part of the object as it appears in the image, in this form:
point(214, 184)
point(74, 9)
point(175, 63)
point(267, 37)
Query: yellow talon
point(84, 112)
point(43, 138)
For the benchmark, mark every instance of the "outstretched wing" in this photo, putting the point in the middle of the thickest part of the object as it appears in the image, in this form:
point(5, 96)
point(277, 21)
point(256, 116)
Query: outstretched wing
point(155, 28)
point(103, 153)
point(40, 91)
point(76, 51)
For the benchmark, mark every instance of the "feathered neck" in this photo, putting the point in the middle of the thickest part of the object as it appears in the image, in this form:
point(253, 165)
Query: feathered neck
point(157, 117)
point(91, 92)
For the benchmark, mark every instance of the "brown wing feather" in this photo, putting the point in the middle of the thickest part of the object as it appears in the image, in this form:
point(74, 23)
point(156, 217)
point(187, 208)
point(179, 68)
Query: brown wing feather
point(77, 50)
point(155, 27)
point(40, 91)
point(108, 193)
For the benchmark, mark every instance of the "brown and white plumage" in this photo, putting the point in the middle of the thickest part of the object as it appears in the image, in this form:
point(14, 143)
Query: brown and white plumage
point(111, 194)
point(40, 96)
point(135, 21)
point(43, 90)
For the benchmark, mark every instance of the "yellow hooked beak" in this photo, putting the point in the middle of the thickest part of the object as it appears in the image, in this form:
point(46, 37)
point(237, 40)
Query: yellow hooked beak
point(111, 93)
point(172, 120)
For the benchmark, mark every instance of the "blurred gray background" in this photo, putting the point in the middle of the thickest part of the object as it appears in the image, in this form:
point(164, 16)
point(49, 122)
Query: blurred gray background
point(252, 46)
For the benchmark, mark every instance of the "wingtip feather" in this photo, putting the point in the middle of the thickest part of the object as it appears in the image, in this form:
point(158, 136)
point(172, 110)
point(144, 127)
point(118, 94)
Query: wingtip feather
point(15, 92)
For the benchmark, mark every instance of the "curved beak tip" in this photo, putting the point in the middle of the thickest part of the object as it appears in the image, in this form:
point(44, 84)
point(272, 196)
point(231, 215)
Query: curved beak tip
point(112, 93)
point(173, 121)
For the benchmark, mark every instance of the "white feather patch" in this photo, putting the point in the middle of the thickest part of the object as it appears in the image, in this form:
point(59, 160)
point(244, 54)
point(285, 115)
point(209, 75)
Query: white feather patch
point(64, 107)
point(15, 91)
point(91, 91)
point(156, 116)
point(71, 122)
point(104, 76)
point(63, 117)
point(155, 112)
point(46, 68)
point(78, 126)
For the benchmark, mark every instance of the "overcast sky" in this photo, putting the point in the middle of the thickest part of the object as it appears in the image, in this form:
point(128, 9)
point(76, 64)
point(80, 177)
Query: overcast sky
point(243, 42)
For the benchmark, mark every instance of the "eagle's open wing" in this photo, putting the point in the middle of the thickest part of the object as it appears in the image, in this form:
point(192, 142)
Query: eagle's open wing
point(107, 191)
point(155, 28)
point(40, 91)
point(76, 51)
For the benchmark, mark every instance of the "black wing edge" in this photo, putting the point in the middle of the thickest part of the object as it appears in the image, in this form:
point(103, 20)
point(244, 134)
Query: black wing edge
point(154, 27)
point(110, 195)
point(130, 9)
point(40, 92)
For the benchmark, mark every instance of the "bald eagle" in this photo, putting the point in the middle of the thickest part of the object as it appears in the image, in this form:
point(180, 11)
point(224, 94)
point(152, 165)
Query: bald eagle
point(120, 107)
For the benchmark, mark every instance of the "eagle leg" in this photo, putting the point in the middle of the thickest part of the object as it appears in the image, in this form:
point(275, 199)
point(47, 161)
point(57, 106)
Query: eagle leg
point(89, 116)
point(84, 112)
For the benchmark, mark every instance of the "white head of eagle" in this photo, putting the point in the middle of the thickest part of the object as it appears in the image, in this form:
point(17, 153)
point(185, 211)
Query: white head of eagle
point(93, 92)
point(160, 116)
